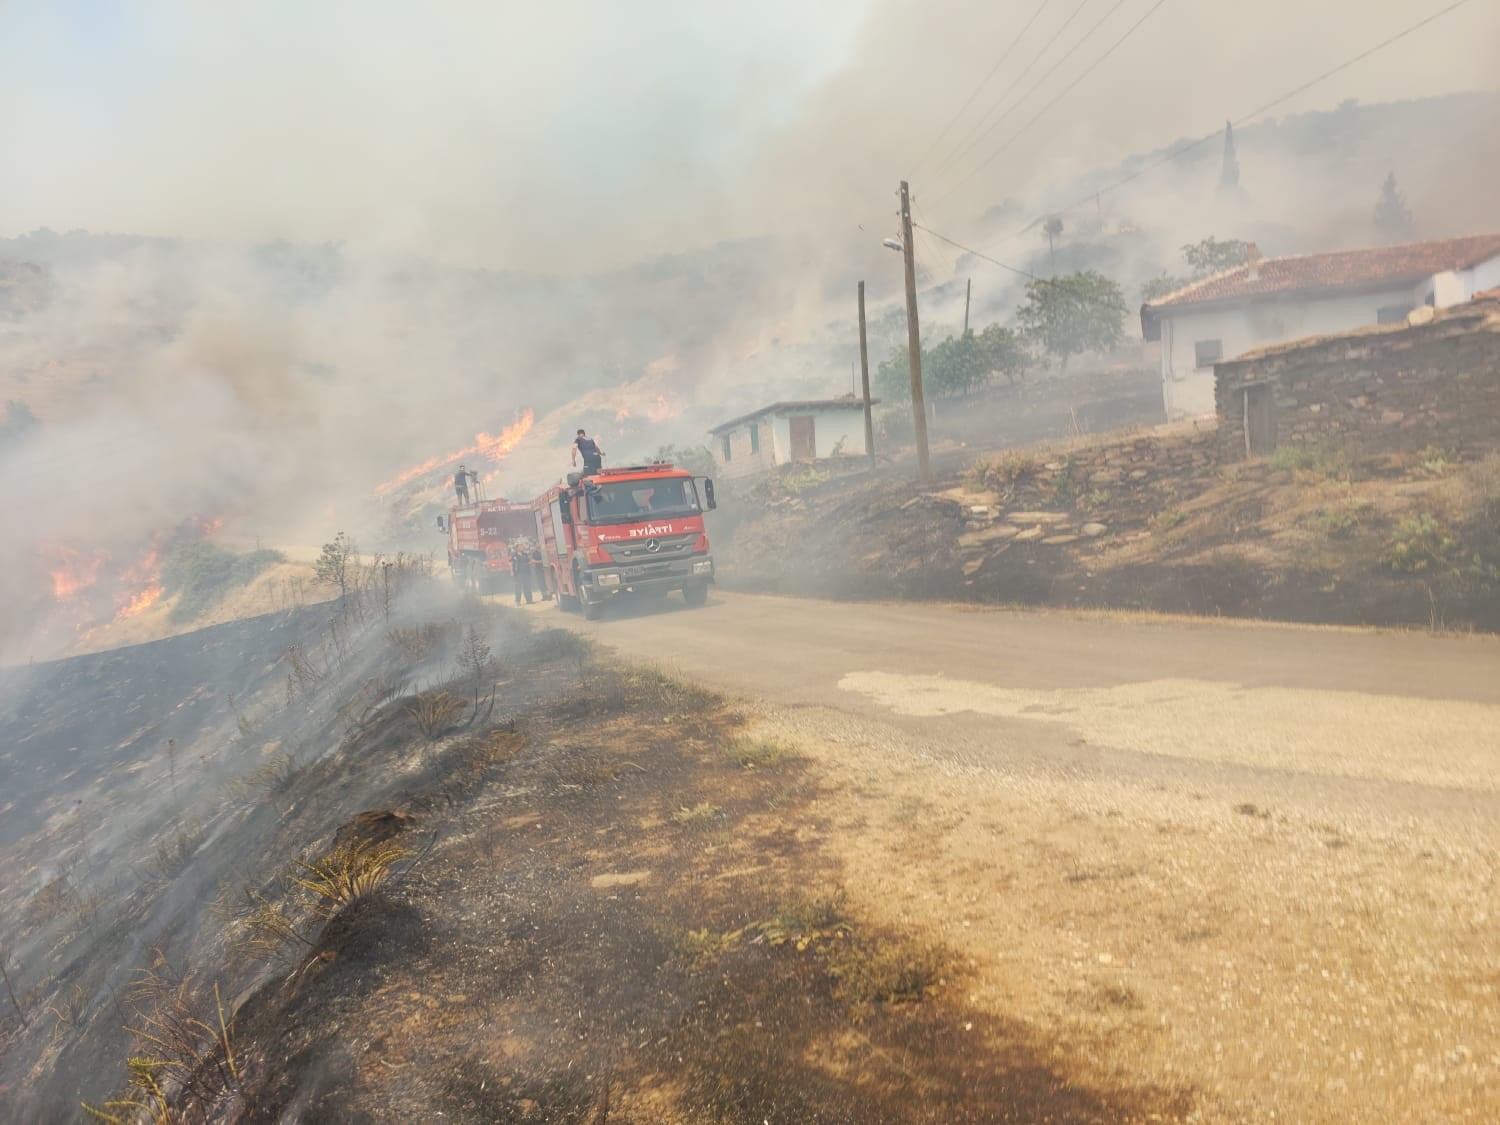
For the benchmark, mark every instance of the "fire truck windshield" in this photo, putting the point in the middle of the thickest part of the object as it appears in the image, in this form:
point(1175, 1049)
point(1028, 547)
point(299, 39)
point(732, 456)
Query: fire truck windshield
point(627, 500)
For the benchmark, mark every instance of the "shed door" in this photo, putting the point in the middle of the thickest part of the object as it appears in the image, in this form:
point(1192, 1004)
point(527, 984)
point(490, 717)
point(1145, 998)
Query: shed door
point(803, 438)
point(1260, 419)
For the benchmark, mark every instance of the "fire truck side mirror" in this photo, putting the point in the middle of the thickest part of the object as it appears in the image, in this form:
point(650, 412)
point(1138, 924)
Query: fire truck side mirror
point(708, 494)
point(566, 508)
point(441, 525)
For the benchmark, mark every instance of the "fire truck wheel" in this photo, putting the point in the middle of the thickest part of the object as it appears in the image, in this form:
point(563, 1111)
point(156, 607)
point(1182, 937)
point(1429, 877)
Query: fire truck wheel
point(695, 595)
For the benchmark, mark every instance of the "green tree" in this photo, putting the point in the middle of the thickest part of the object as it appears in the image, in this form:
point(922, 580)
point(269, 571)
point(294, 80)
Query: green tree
point(893, 376)
point(1053, 229)
point(1002, 352)
point(1160, 286)
point(957, 365)
point(1392, 217)
point(1075, 313)
point(335, 566)
point(696, 459)
point(1210, 256)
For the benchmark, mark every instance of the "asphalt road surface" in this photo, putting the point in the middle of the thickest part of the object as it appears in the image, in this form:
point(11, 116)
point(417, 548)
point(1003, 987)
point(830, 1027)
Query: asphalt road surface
point(1373, 724)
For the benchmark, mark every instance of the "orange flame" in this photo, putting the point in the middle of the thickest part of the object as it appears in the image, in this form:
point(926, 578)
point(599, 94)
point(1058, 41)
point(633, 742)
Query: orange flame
point(72, 571)
point(492, 446)
point(498, 448)
point(659, 411)
point(140, 585)
point(141, 602)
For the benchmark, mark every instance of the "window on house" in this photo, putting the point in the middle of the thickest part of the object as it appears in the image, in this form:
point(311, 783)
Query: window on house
point(1208, 352)
point(728, 453)
point(754, 438)
point(1392, 314)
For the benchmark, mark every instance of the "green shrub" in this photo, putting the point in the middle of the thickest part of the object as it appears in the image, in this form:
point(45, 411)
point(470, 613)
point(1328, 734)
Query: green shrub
point(798, 481)
point(889, 973)
point(1419, 545)
point(1013, 466)
point(1340, 523)
point(758, 753)
point(1434, 462)
point(1311, 459)
point(1165, 520)
point(1064, 490)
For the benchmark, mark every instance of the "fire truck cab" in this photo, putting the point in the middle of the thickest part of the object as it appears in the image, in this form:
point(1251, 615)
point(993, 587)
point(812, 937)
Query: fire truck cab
point(479, 539)
point(637, 529)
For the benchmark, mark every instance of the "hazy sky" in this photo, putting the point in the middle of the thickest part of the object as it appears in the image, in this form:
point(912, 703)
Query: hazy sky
point(577, 133)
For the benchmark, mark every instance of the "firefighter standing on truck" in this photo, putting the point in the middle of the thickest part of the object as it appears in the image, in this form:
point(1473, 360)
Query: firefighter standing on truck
point(593, 456)
point(461, 484)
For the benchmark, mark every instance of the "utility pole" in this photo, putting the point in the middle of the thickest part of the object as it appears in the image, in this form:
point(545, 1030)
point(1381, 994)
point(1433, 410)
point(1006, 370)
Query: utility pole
point(864, 377)
point(914, 341)
point(968, 292)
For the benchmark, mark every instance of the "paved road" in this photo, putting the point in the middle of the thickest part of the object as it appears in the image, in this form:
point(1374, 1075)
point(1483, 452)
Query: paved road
point(1392, 724)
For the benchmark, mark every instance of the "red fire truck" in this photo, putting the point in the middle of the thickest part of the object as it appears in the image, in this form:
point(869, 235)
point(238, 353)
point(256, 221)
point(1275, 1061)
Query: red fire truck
point(479, 539)
point(637, 529)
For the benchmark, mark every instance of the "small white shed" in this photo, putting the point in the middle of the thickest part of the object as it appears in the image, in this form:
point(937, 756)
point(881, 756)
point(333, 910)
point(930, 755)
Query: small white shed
point(790, 431)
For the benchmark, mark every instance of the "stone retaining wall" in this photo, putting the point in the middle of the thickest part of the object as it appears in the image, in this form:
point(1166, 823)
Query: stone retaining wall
point(1433, 384)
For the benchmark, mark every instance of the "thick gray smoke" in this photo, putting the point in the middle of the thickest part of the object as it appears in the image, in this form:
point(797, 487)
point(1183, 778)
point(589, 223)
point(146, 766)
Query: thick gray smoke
point(383, 231)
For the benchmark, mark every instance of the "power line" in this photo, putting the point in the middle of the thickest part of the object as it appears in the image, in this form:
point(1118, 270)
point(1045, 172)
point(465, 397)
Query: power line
point(978, 254)
point(1183, 150)
point(1084, 38)
point(983, 82)
point(1036, 58)
point(1064, 92)
point(1083, 297)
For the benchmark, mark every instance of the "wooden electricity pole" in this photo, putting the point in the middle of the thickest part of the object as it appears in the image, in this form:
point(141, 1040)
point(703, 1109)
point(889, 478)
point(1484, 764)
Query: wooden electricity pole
point(864, 377)
point(968, 292)
point(914, 341)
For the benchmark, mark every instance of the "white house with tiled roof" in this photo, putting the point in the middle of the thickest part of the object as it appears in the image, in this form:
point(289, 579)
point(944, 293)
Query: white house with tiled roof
point(1273, 300)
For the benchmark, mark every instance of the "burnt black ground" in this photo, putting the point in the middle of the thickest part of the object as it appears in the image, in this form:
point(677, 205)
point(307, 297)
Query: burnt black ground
point(552, 948)
point(539, 964)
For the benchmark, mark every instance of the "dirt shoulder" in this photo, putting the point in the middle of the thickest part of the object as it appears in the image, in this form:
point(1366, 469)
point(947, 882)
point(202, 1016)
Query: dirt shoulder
point(1281, 965)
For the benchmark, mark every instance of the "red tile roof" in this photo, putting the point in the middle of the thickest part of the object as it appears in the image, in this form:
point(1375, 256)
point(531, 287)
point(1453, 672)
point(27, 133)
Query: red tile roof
point(1344, 269)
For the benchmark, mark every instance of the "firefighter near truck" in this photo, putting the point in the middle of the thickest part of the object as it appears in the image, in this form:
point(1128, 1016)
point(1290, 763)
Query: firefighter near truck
point(631, 530)
point(480, 535)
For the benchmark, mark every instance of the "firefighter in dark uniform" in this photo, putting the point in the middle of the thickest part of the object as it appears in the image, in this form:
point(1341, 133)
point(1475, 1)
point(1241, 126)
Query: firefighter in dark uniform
point(461, 484)
point(593, 456)
point(520, 569)
point(539, 571)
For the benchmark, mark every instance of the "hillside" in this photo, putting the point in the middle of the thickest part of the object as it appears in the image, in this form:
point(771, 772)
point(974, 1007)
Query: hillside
point(1143, 520)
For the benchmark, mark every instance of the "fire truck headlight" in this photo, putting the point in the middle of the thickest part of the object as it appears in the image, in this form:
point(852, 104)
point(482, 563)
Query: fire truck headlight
point(703, 566)
point(609, 579)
